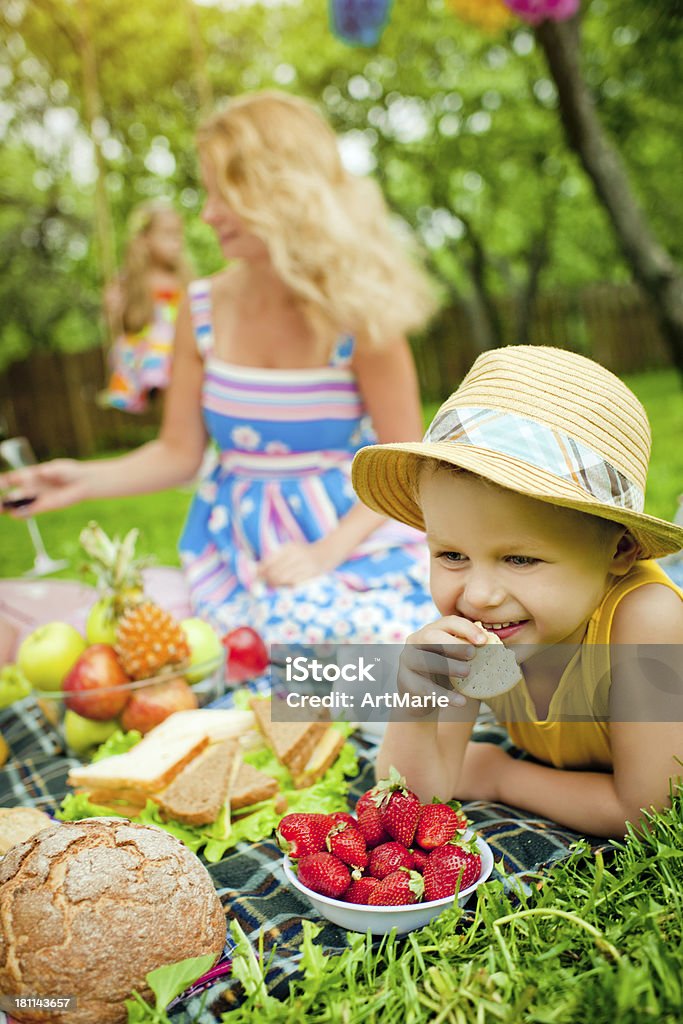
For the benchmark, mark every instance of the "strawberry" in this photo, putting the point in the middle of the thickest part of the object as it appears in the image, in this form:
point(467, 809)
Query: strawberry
point(370, 824)
point(367, 799)
point(399, 808)
point(324, 873)
point(453, 864)
point(347, 842)
point(437, 825)
point(419, 859)
point(397, 889)
point(387, 858)
point(360, 889)
point(299, 834)
point(343, 816)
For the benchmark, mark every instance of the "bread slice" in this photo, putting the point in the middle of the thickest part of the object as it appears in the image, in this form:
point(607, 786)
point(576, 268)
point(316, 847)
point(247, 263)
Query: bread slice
point(165, 750)
point(324, 754)
point(198, 793)
point(149, 766)
point(17, 824)
point(216, 723)
point(292, 742)
point(251, 786)
point(493, 670)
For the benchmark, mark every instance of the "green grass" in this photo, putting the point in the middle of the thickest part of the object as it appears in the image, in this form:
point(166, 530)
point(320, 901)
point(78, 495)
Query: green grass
point(598, 939)
point(160, 516)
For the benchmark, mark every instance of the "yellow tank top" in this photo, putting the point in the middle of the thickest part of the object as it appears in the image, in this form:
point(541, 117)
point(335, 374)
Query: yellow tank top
point(583, 691)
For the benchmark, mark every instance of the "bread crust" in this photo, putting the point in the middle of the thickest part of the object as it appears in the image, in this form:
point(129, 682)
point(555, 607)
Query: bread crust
point(291, 742)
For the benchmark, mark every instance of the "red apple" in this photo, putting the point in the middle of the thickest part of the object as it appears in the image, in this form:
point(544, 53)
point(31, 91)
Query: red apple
point(247, 655)
point(94, 688)
point(150, 705)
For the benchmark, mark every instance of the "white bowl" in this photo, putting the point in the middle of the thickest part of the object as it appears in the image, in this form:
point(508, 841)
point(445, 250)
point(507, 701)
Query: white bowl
point(380, 920)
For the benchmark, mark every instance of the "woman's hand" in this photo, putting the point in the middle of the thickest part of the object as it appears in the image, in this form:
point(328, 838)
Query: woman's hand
point(437, 653)
point(52, 485)
point(295, 563)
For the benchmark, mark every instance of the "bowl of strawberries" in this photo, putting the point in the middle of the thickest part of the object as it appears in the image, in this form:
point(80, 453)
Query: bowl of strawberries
point(394, 864)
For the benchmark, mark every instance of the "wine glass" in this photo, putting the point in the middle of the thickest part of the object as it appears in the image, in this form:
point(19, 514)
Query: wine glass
point(17, 452)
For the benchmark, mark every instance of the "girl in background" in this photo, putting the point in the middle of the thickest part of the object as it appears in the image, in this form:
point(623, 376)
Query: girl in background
point(142, 305)
point(291, 359)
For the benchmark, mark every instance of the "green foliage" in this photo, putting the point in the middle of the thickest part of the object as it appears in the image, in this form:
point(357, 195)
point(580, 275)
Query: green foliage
point(166, 983)
point(461, 127)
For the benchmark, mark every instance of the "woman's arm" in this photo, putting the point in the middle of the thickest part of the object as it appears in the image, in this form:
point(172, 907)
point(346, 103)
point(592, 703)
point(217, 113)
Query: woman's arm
point(173, 458)
point(388, 383)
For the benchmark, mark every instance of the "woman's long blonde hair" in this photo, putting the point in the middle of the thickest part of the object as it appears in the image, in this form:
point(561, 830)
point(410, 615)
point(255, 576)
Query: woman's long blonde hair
point(328, 232)
point(137, 299)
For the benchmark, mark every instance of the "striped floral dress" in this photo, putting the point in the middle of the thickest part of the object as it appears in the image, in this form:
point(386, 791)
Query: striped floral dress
point(284, 441)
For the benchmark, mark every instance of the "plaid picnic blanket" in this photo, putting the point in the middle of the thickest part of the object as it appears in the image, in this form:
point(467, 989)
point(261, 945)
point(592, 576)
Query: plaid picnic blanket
point(250, 879)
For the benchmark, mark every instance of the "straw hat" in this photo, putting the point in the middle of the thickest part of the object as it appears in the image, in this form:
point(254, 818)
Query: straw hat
point(543, 422)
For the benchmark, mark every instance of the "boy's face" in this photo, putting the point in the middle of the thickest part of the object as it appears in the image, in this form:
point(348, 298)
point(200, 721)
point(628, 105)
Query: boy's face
point(531, 572)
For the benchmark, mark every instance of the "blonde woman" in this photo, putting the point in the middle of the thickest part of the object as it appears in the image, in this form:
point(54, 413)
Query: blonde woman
point(290, 360)
point(141, 306)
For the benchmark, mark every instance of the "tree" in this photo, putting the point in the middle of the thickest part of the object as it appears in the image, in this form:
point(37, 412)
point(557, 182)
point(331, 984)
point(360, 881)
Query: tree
point(652, 265)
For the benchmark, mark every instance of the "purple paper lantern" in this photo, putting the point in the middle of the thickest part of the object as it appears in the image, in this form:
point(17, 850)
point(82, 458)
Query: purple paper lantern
point(359, 22)
point(535, 11)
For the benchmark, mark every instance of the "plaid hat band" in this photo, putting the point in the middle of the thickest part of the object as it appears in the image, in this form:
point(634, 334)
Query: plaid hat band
point(538, 445)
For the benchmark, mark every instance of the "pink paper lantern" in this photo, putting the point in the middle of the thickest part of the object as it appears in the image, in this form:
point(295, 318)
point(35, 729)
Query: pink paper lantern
point(359, 22)
point(535, 11)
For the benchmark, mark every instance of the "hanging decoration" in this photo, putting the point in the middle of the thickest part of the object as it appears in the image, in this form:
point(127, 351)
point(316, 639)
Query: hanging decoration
point(535, 11)
point(359, 22)
point(488, 15)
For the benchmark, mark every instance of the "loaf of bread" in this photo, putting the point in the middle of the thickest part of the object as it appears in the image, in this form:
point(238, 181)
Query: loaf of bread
point(88, 908)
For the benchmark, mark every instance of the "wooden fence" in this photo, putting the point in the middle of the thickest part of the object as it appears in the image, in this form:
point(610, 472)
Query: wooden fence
point(50, 397)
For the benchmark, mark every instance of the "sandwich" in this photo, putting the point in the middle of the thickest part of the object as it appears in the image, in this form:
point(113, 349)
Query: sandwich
point(306, 749)
point(186, 765)
point(251, 786)
point(199, 792)
point(493, 670)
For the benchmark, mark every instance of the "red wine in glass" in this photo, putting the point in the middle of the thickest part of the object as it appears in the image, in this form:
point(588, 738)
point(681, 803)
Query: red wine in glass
point(17, 452)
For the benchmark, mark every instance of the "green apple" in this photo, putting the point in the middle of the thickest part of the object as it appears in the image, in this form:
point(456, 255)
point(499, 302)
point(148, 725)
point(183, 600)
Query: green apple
point(82, 734)
point(48, 653)
point(13, 685)
point(100, 626)
point(205, 647)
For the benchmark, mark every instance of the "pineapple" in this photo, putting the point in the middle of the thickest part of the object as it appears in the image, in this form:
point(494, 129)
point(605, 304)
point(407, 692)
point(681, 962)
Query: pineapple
point(148, 639)
point(117, 576)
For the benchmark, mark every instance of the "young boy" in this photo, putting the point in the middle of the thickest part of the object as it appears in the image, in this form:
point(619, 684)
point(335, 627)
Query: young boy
point(530, 485)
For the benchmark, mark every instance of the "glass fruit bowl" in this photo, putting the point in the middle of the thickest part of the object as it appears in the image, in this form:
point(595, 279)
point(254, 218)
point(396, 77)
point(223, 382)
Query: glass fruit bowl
point(85, 718)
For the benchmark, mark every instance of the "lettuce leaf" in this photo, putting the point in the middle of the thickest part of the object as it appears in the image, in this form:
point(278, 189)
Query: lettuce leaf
point(118, 743)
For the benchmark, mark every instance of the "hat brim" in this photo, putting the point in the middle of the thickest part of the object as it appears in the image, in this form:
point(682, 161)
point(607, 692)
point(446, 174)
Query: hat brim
point(385, 478)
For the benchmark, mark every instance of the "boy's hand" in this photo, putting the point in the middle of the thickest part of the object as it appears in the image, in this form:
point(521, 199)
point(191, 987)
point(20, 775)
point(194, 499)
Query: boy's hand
point(436, 653)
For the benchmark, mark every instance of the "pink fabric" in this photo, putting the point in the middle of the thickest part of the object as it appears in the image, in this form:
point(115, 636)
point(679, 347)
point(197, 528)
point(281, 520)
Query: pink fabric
point(28, 603)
